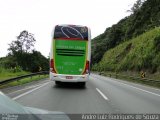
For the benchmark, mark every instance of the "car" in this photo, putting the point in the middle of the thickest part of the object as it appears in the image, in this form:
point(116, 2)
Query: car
point(10, 109)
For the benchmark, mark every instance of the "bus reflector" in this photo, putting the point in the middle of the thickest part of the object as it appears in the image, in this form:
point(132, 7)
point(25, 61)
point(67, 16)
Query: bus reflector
point(86, 70)
point(52, 66)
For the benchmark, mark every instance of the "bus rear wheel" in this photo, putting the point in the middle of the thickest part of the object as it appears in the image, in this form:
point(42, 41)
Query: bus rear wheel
point(57, 82)
point(82, 84)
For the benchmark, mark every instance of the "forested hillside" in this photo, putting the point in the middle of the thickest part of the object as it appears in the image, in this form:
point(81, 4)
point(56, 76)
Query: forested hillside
point(140, 53)
point(145, 18)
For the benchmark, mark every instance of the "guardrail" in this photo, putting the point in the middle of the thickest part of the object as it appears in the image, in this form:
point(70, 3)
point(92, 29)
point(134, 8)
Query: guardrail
point(23, 76)
point(131, 77)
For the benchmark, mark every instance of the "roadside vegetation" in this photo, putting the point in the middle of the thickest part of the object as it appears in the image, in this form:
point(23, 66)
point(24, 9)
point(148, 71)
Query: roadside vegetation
point(137, 54)
point(131, 58)
point(134, 77)
point(132, 46)
point(145, 15)
point(10, 73)
point(22, 59)
point(24, 81)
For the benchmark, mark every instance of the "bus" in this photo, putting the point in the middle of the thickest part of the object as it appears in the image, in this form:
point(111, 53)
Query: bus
point(70, 54)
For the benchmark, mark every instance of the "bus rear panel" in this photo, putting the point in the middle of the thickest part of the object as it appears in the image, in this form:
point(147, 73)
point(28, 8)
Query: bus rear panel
point(70, 54)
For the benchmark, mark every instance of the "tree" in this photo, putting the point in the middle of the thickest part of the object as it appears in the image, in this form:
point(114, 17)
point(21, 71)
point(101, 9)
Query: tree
point(22, 54)
point(24, 43)
point(37, 61)
point(21, 49)
point(136, 6)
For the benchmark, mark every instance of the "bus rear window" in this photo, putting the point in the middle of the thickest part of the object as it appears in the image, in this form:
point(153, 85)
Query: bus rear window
point(71, 32)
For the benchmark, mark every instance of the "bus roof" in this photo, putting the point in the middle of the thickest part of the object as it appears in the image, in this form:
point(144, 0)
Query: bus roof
point(71, 25)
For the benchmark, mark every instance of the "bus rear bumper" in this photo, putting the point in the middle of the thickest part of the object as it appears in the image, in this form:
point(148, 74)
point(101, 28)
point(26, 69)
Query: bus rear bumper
point(69, 78)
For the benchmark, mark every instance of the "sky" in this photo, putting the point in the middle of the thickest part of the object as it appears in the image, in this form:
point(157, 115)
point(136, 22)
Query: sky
point(40, 16)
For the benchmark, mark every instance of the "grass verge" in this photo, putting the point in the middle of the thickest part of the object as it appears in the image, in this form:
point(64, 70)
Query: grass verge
point(24, 81)
point(135, 80)
point(7, 75)
point(11, 73)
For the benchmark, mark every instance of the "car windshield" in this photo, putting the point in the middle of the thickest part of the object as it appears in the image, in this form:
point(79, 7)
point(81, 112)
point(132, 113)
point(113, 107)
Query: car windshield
point(84, 59)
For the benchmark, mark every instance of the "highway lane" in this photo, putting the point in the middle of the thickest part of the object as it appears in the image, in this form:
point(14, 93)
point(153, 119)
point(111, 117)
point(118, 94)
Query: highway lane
point(129, 97)
point(20, 89)
point(67, 98)
point(101, 95)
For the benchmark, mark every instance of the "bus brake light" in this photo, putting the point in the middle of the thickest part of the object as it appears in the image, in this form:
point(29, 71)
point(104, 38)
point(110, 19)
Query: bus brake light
point(86, 71)
point(52, 66)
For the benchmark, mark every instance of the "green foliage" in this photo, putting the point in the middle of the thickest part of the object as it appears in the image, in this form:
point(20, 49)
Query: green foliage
point(27, 61)
point(23, 56)
point(37, 61)
point(140, 53)
point(8, 62)
point(30, 79)
point(145, 18)
point(6, 73)
point(137, 5)
point(24, 43)
point(157, 43)
point(24, 81)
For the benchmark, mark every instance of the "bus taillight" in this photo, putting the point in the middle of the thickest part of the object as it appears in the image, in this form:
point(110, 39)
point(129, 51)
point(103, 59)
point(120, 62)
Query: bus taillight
point(52, 66)
point(86, 70)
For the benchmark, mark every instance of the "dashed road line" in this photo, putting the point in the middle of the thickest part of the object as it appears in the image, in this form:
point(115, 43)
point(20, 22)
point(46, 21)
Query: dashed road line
point(102, 94)
point(28, 92)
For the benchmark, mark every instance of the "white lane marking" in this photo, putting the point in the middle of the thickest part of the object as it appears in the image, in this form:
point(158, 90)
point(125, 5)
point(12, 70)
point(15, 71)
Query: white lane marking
point(28, 92)
point(1, 93)
point(25, 88)
point(102, 94)
point(138, 88)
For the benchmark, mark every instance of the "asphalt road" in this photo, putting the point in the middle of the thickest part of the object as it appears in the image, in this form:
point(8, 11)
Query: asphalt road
point(101, 95)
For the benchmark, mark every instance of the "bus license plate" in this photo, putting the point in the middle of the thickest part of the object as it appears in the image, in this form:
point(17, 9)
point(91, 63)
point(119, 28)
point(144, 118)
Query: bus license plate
point(69, 77)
